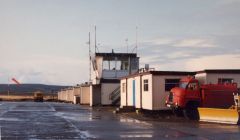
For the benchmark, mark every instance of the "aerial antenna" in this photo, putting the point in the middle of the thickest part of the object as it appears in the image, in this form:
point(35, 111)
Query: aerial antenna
point(136, 39)
point(127, 44)
point(90, 70)
point(136, 47)
point(95, 38)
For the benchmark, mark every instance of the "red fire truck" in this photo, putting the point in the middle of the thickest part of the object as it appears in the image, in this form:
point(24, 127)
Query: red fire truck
point(189, 95)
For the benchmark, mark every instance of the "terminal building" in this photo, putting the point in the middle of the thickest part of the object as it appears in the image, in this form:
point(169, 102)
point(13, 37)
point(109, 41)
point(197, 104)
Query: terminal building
point(104, 86)
point(108, 68)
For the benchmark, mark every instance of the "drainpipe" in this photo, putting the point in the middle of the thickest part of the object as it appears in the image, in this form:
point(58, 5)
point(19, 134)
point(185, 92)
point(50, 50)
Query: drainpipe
point(126, 93)
point(141, 91)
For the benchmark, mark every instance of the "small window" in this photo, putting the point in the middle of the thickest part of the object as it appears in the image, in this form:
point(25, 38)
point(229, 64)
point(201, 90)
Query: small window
point(106, 65)
point(171, 83)
point(118, 65)
point(124, 65)
point(123, 87)
point(145, 85)
point(112, 65)
point(225, 80)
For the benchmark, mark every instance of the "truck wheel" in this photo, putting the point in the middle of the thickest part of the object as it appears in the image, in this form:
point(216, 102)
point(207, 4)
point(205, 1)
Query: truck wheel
point(191, 112)
point(177, 112)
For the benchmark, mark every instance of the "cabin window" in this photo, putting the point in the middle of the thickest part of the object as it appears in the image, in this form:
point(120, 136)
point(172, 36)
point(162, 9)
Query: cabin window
point(192, 86)
point(171, 83)
point(225, 80)
point(145, 85)
point(123, 87)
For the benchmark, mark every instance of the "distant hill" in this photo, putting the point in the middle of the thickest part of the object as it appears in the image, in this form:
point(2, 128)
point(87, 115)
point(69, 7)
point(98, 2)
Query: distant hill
point(30, 88)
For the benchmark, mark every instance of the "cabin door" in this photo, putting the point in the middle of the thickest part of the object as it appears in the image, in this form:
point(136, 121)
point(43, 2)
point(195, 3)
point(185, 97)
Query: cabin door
point(134, 92)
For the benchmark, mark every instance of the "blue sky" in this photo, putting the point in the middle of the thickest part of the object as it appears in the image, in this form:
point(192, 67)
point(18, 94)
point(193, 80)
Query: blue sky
point(44, 41)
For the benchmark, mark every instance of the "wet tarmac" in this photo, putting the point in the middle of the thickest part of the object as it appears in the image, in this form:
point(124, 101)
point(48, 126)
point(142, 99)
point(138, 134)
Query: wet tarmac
point(30, 120)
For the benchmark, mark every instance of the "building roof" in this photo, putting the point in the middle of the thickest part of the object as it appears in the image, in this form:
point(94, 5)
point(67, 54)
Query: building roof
point(214, 71)
point(116, 54)
point(181, 73)
point(220, 71)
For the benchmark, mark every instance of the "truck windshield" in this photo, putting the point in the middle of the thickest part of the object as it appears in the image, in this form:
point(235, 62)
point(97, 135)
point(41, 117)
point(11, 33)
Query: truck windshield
point(183, 84)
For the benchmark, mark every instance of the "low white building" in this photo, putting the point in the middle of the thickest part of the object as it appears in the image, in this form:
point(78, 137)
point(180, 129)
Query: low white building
point(70, 94)
point(148, 90)
point(215, 76)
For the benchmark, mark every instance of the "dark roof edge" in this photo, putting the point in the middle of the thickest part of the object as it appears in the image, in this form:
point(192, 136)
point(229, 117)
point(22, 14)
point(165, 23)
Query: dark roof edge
point(223, 71)
point(160, 73)
point(109, 80)
point(116, 54)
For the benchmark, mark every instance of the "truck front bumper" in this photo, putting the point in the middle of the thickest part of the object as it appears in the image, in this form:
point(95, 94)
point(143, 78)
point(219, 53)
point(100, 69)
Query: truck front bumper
point(172, 105)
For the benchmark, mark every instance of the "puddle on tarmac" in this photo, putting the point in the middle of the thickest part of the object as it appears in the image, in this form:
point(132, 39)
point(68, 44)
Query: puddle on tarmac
point(95, 118)
point(11, 119)
point(78, 117)
point(145, 134)
point(131, 120)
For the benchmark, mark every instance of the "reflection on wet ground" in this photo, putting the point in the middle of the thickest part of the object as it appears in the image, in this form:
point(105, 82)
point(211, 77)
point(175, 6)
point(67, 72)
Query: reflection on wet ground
point(29, 120)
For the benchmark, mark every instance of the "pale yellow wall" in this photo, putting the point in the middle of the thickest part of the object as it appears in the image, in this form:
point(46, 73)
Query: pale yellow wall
point(64, 95)
point(76, 91)
point(159, 93)
point(69, 95)
point(123, 94)
point(147, 98)
point(61, 96)
point(106, 90)
point(85, 95)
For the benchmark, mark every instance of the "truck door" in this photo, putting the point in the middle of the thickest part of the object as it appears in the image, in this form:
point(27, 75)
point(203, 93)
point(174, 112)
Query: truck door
point(192, 91)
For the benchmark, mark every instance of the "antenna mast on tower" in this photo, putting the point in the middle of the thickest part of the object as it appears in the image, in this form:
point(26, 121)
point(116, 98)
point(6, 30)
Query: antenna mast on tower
point(95, 38)
point(90, 70)
point(127, 44)
point(136, 39)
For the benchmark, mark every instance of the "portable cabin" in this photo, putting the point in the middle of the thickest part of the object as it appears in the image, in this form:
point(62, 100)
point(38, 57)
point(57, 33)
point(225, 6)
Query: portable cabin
point(85, 94)
point(76, 94)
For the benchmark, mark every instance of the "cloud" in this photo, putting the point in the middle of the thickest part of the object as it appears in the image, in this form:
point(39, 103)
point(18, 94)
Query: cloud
point(177, 53)
point(214, 62)
point(160, 41)
point(185, 42)
point(195, 43)
point(224, 2)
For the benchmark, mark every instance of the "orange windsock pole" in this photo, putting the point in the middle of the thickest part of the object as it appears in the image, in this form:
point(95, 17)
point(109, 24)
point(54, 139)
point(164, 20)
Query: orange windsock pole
point(15, 81)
